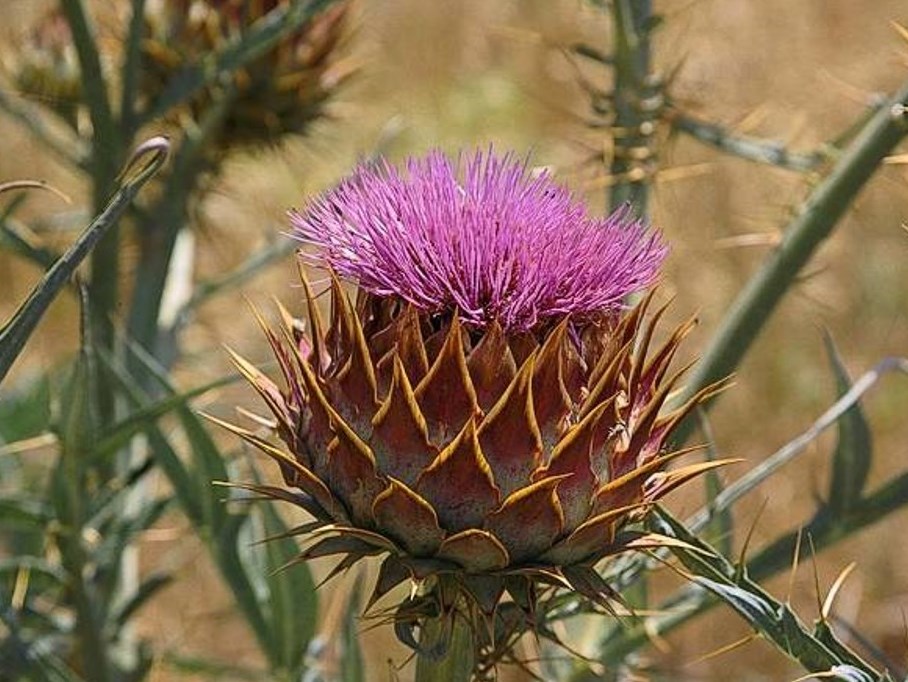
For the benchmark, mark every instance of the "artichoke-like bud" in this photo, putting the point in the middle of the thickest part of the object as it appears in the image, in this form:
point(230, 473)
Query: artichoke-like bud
point(486, 412)
point(282, 91)
point(45, 66)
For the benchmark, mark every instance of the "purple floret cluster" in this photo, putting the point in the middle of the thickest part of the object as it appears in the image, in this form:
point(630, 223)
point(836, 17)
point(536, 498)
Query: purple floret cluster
point(484, 236)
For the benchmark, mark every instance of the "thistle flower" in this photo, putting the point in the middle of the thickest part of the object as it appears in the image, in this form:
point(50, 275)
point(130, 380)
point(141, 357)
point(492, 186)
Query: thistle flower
point(487, 414)
point(282, 91)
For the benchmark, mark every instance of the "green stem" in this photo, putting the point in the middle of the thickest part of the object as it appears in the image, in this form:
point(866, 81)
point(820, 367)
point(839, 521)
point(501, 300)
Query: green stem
point(156, 242)
point(132, 62)
point(106, 156)
point(826, 528)
point(88, 621)
point(107, 146)
point(458, 663)
point(815, 220)
point(77, 428)
point(744, 146)
point(636, 101)
point(158, 234)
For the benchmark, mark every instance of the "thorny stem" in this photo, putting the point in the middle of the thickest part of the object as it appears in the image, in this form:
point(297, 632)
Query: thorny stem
point(636, 100)
point(93, 650)
point(69, 481)
point(814, 222)
point(132, 61)
point(745, 146)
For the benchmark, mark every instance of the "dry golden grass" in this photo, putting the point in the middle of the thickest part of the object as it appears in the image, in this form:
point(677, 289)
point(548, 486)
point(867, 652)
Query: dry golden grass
point(474, 72)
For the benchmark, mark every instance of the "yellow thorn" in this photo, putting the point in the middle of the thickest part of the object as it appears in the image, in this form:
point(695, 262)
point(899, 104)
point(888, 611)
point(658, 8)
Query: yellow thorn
point(834, 590)
point(794, 566)
point(20, 588)
point(737, 644)
point(901, 30)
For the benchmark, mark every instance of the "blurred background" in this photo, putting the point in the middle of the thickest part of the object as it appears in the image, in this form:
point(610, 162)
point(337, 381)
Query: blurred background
point(472, 73)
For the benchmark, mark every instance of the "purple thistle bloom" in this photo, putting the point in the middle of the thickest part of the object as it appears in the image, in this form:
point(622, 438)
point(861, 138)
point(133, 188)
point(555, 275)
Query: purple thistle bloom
point(492, 241)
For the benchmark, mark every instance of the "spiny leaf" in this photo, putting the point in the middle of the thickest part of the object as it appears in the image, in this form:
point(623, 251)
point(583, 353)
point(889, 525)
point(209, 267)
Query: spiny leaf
point(774, 620)
point(178, 474)
point(23, 512)
point(191, 480)
point(119, 434)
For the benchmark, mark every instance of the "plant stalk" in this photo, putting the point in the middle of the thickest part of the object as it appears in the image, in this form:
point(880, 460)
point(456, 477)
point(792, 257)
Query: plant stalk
point(636, 102)
point(106, 156)
point(816, 218)
point(457, 663)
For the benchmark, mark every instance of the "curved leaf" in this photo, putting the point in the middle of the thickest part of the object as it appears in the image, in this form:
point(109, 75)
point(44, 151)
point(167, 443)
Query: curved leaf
point(854, 447)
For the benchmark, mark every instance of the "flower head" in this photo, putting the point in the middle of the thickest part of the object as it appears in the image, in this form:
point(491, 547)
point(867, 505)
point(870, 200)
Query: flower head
point(484, 237)
point(490, 464)
point(282, 91)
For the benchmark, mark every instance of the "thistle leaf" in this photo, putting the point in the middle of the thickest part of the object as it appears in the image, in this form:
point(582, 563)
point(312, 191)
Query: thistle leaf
point(400, 437)
point(572, 455)
point(492, 366)
point(774, 620)
point(446, 395)
point(535, 506)
point(550, 395)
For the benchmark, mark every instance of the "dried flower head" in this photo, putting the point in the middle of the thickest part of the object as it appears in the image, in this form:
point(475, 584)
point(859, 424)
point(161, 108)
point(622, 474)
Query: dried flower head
point(486, 413)
point(495, 244)
point(282, 91)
